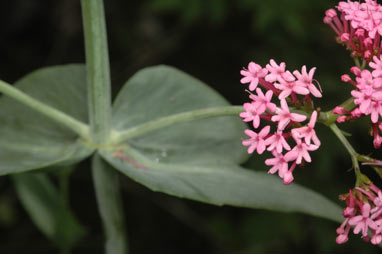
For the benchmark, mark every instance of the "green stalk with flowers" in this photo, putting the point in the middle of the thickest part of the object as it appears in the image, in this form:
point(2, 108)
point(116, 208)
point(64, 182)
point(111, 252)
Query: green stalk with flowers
point(173, 134)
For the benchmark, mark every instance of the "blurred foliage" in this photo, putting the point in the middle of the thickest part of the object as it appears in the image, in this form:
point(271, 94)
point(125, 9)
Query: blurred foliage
point(211, 40)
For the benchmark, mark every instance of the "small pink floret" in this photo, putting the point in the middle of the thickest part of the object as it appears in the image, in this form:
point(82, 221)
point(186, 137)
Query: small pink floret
point(252, 75)
point(284, 116)
point(256, 141)
point(288, 178)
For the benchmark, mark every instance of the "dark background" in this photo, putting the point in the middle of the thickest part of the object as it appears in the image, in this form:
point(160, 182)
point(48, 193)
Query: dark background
point(212, 40)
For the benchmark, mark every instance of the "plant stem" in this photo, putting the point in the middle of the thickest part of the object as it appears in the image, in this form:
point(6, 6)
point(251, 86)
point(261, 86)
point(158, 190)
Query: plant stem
point(110, 206)
point(353, 154)
point(120, 136)
point(328, 117)
point(356, 62)
point(78, 127)
point(98, 71)
point(99, 98)
point(363, 64)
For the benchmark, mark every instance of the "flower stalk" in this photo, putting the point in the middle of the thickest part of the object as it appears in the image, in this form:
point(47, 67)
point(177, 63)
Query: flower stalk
point(353, 154)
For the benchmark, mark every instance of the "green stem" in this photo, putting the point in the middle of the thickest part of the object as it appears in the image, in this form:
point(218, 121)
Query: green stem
point(120, 136)
point(363, 66)
point(357, 63)
point(98, 71)
point(99, 99)
point(365, 158)
point(353, 154)
point(77, 126)
point(329, 118)
point(110, 206)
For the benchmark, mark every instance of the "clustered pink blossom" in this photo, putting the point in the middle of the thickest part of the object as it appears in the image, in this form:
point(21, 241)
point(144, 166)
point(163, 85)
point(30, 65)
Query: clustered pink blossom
point(367, 96)
point(287, 86)
point(364, 213)
point(358, 26)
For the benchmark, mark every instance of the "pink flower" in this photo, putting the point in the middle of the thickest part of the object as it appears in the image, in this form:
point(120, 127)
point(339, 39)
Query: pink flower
point(363, 222)
point(369, 95)
point(376, 64)
point(375, 110)
point(356, 113)
point(363, 99)
point(377, 210)
point(345, 78)
point(275, 71)
point(284, 116)
point(256, 141)
point(342, 238)
point(376, 239)
point(308, 132)
point(359, 27)
point(299, 152)
point(279, 164)
point(350, 210)
point(305, 79)
point(288, 177)
point(263, 102)
point(339, 110)
point(288, 85)
point(343, 232)
point(251, 114)
point(277, 141)
point(252, 75)
point(365, 80)
point(368, 221)
point(355, 70)
point(341, 119)
point(276, 80)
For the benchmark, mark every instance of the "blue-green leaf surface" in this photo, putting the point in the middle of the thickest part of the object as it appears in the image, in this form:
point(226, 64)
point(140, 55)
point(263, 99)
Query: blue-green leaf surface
point(161, 91)
point(221, 185)
point(197, 159)
point(30, 140)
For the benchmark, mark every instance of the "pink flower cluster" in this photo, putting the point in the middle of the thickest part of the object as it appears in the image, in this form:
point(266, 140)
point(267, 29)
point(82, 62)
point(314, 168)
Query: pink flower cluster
point(364, 213)
point(367, 96)
point(275, 79)
point(359, 27)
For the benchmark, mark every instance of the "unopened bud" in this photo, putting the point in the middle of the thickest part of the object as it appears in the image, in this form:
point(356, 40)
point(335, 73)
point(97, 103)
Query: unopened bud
point(345, 37)
point(288, 178)
point(341, 239)
point(345, 78)
point(341, 119)
point(355, 70)
point(339, 110)
point(331, 13)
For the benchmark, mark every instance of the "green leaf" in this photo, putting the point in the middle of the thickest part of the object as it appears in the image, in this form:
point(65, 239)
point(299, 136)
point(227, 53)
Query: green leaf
point(223, 185)
point(162, 91)
point(196, 159)
point(47, 209)
point(30, 140)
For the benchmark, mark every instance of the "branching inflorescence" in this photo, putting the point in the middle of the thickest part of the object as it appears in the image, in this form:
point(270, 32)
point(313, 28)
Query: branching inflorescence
point(359, 27)
point(288, 126)
point(281, 129)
